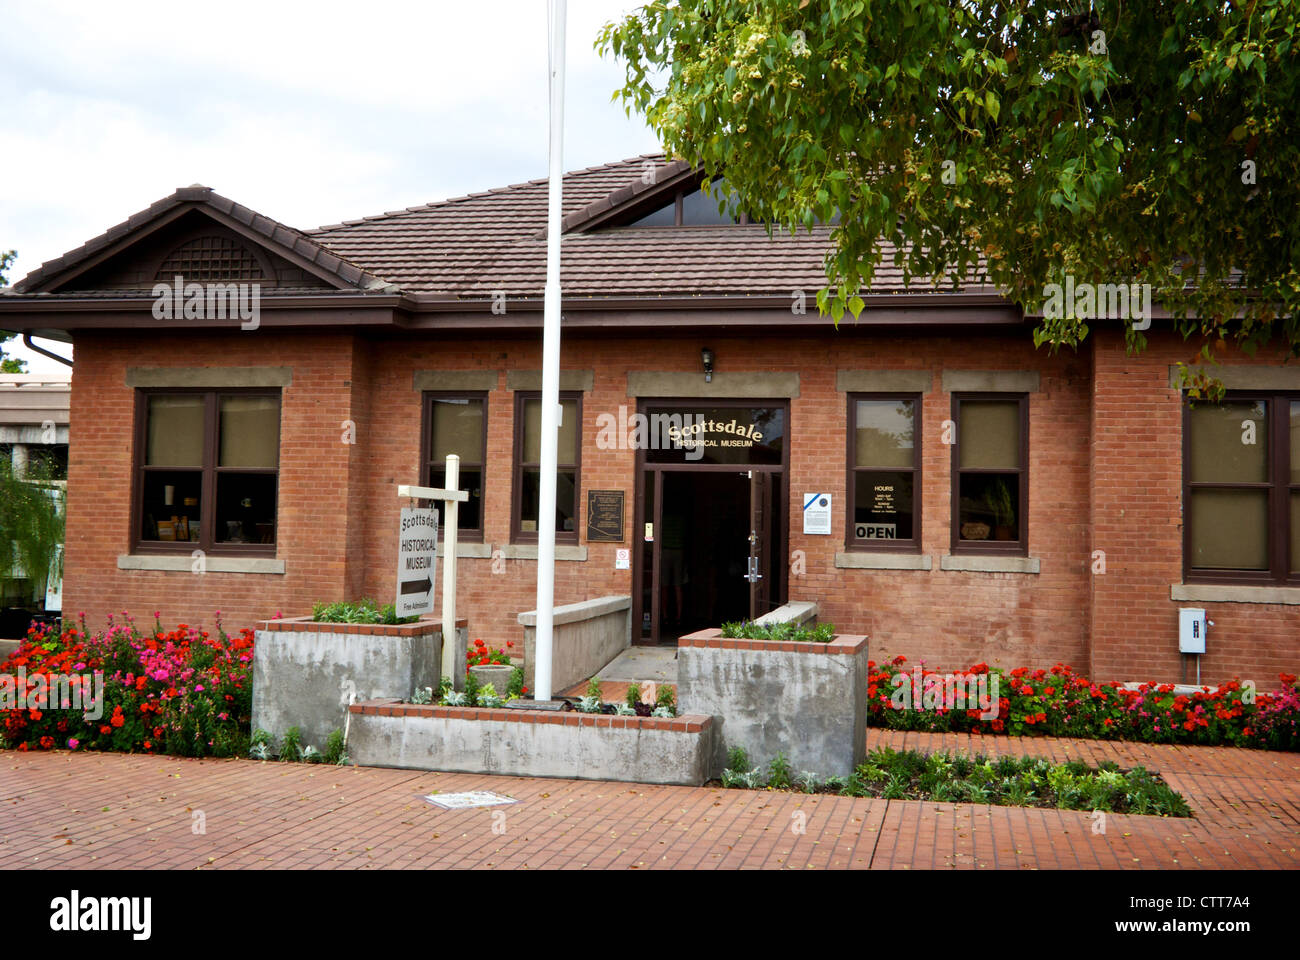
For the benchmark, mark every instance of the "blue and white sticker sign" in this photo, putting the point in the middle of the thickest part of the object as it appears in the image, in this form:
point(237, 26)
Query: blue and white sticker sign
point(417, 560)
point(816, 513)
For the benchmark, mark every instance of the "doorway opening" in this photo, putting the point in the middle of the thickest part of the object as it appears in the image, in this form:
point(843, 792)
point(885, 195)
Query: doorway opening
point(712, 524)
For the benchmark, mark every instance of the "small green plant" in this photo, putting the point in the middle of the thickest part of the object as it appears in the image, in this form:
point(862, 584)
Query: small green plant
point(623, 710)
point(515, 688)
point(357, 611)
point(591, 705)
point(311, 755)
point(737, 758)
point(778, 773)
point(471, 688)
point(807, 781)
point(456, 698)
point(487, 696)
point(335, 748)
point(666, 699)
point(665, 713)
point(444, 687)
point(422, 695)
point(290, 746)
point(593, 687)
point(259, 745)
point(788, 631)
point(633, 694)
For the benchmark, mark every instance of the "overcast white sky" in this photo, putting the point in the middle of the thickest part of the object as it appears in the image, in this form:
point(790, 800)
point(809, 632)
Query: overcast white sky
point(310, 113)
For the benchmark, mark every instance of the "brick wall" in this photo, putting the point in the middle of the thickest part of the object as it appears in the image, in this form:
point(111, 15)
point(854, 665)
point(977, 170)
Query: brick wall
point(1137, 491)
point(338, 503)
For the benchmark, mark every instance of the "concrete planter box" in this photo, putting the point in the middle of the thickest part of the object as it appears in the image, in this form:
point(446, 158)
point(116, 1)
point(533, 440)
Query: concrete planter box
point(587, 636)
point(497, 674)
point(806, 700)
point(532, 743)
point(306, 673)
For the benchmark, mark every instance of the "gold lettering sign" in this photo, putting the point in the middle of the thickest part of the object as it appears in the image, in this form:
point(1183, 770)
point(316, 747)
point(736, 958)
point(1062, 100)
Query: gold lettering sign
point(883, 498)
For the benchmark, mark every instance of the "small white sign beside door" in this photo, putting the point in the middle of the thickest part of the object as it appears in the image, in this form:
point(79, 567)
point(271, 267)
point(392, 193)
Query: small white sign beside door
point(623, 559)
point(817, 513)
point(417, 548)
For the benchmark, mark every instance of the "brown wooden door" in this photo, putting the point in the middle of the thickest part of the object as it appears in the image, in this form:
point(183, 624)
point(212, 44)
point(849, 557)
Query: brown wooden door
point(760, 512)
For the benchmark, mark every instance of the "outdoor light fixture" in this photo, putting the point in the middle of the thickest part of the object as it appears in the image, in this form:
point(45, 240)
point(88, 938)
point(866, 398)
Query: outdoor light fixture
point(707, 356)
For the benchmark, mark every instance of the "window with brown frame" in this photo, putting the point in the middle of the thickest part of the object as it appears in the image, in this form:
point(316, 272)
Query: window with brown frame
point(1241, 489)
point(526, 494)
point(457, 423)
point(207, 471)
point(884, 476)
point(990, 473)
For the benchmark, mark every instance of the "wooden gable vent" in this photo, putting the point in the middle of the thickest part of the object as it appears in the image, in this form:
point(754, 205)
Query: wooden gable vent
point(210, 258)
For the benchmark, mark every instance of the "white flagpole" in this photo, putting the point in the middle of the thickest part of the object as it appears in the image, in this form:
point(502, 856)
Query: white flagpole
point(550, 363)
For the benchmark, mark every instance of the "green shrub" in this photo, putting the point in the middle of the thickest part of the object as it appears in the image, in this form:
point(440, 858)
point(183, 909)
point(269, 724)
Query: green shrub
point(335, 748)
point(778, 773)
point(515, 688)
point(357, 611)
point(788, 631)
point(290, 745)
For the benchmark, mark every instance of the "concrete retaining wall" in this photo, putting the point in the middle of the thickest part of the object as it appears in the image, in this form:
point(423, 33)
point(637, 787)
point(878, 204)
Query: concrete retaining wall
point(587, 636)
point(532, 743)
point(806, 700)
point(305, 673)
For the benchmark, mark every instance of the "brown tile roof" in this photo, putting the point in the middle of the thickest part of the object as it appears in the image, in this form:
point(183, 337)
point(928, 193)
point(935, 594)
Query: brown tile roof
point(474, 246)
point(273, 233)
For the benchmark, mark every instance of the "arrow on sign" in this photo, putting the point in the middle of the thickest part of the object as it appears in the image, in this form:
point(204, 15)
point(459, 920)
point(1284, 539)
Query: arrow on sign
point(416, 586)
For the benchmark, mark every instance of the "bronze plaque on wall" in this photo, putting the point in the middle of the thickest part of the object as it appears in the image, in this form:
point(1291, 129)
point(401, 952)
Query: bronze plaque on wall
point(605, 516)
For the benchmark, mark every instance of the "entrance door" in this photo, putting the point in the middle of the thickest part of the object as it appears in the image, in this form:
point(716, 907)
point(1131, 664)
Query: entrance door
point(710, 514)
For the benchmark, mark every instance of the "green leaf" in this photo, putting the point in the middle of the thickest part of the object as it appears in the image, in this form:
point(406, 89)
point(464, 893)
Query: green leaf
point(991, 104)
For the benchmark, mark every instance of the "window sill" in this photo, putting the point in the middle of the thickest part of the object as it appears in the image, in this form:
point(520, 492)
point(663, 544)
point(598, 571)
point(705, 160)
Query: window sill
point(474, 551)
point(184, 563)
point(1233, 593)
point(528, 551)
point(989, 563)
point(874, 560)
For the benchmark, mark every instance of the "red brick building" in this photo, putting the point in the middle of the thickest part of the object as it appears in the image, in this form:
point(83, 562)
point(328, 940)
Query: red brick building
point(985, 500)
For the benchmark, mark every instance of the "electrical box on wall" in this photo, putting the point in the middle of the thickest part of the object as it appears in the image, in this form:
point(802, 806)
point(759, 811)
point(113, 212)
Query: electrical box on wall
point(1191, 630)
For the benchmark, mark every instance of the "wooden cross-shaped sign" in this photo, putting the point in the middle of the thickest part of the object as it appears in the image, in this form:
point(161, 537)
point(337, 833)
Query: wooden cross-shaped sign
point(453, 655)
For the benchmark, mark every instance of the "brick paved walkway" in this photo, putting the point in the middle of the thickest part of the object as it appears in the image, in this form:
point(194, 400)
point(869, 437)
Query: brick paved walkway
point(101, 810)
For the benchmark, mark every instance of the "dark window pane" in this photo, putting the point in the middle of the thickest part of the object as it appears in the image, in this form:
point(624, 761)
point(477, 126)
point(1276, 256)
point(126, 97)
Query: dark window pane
point(470, 516)
point(565, 500)
point(699, 210)
point(663, 217)
point(49, 463)
point(882, 506)
point(1230, 529)
point(245, 508)
point(170, 510)
point(1295, 532)
point(989, 506)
